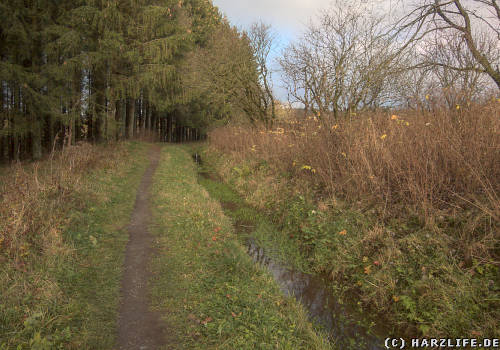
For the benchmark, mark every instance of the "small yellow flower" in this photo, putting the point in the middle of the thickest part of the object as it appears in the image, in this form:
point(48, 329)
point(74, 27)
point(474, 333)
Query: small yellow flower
point(313, 171)
point(345, 155)
point(395, 298)
point(427, 96)
point(407, 124)
point(383, 136)
point(458, 107)
point(306, 167)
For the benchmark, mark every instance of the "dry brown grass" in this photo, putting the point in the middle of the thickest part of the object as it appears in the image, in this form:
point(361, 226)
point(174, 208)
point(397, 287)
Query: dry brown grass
point(44, 207)
point(34, 197)
point(438, 164)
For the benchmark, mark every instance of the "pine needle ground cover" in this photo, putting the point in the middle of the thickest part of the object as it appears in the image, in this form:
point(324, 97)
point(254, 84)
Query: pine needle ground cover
point(62, 235)
point(212, 295)
point(399, 210)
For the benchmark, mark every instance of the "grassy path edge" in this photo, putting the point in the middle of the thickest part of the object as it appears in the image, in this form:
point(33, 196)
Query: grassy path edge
point(69, 300)
point(211, 293)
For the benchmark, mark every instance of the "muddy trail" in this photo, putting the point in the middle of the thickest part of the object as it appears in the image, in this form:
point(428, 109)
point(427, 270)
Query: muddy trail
point(139, 328)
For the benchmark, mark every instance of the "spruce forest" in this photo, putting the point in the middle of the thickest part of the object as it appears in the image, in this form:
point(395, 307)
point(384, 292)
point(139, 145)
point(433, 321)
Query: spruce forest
point(110, 70)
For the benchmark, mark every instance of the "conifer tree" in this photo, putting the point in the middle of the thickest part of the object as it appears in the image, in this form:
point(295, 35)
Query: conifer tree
point(100, 69)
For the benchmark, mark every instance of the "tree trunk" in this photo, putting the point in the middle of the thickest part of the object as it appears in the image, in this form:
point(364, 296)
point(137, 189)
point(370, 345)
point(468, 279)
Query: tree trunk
point(36, 138)
point(99, 106)
point(130, 118)
point(134, 118)
point(118, 119)
point(148, 117)
point(144, 111)
point(169, 128)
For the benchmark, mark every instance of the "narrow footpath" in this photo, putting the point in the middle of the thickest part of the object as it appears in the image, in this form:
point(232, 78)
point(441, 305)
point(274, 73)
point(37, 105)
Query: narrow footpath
point(139, 328)
point(188, 282)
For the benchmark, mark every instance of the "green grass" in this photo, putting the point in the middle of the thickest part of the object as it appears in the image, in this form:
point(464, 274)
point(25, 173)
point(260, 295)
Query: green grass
point(403, 272)
point(282, 243)
point(212, 294)
point(69, 300)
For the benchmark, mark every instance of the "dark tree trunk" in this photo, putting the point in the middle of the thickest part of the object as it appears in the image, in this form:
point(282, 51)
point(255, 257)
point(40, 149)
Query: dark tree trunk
point(118, 119)
point(134, 118)
point(129, 119)
point(143, 117)
point(147, 123)
point(169, 128)
point(99, 106)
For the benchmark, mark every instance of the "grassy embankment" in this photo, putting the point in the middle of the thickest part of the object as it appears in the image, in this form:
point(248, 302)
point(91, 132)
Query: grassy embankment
point(401, 210)
point(62, 236)
point(213, 294)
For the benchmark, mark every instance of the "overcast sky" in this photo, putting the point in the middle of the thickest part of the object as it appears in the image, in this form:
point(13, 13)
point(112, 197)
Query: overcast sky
point(288, 19)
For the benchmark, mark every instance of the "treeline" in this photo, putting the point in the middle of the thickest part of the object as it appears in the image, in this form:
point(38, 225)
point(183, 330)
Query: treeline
point(100, 70)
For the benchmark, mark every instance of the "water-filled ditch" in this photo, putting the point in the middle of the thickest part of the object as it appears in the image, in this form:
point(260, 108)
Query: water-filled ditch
point(343, 324)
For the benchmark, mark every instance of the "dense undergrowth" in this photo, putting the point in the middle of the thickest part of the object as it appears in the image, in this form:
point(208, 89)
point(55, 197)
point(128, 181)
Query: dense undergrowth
point(400, 209)
point(62, 234)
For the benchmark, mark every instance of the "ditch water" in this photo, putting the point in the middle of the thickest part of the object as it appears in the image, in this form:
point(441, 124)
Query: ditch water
point(338, 319)
point(343, 324)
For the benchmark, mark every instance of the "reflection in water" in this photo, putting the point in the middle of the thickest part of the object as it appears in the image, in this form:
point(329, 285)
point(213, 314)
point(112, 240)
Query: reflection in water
point(313, 293)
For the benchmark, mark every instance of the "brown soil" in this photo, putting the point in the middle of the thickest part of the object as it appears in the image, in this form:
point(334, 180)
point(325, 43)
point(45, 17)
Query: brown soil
point(139, 328)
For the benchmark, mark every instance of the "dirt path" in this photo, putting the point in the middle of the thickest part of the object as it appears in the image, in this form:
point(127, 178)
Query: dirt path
point(138, 327)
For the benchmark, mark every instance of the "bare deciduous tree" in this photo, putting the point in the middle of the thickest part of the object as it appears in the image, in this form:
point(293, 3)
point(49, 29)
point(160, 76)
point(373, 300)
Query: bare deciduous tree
point(262, 39)
point(344, 63)
point(474, 23)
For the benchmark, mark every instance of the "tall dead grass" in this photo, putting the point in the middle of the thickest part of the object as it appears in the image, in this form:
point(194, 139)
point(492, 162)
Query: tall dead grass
point(437, 164)
point(35, 196)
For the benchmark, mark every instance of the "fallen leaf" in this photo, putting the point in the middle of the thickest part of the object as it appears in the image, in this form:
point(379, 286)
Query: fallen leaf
point(343, 232)
point(206, 320)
